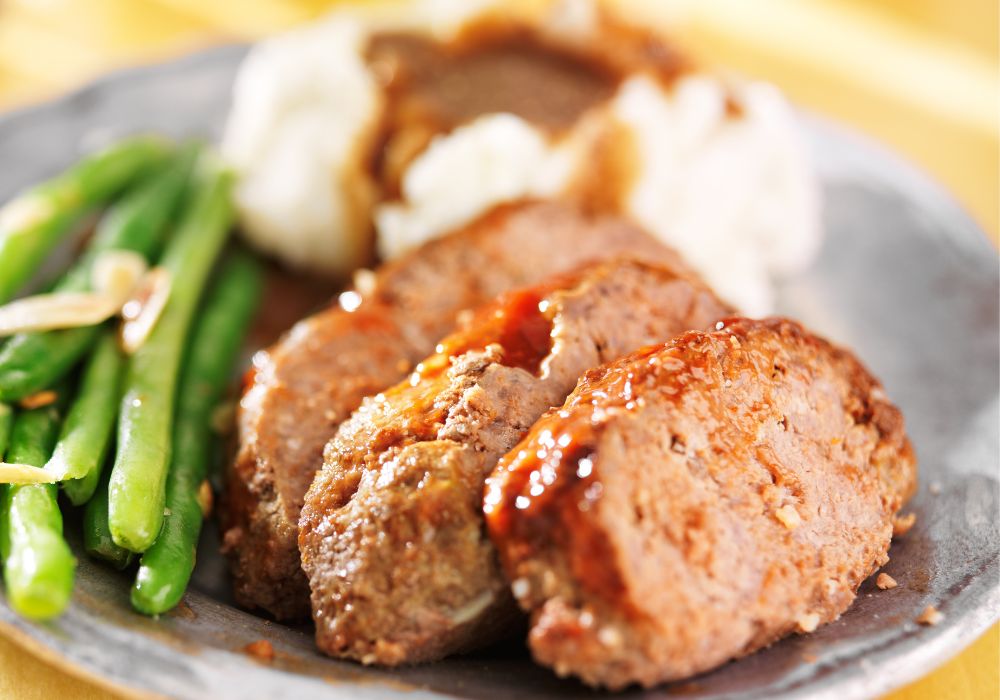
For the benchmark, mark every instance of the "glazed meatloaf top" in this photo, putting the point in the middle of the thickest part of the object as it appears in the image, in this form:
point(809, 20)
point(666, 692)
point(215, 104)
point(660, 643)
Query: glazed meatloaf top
point(698, 500)
point(305, 385)
point(391, 535)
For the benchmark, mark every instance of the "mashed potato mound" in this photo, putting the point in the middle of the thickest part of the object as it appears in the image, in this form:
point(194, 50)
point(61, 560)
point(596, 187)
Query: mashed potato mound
point(718, 168)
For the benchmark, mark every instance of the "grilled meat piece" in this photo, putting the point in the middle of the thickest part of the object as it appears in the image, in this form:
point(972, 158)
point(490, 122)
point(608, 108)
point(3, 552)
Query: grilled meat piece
point(391, 535)
point(697, 501)
point(306, 384)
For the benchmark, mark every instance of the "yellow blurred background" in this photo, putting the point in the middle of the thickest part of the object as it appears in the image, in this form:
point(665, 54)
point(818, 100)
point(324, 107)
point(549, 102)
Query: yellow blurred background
point(923, 76)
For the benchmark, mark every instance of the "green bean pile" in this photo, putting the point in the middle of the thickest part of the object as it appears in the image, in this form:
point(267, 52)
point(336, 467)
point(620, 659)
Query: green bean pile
point(125, 438)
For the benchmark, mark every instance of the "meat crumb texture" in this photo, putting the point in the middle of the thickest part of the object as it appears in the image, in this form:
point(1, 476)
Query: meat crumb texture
point(392, 535)
point(262, 650)
point(902, 524)
point(930, 616)
point(306, 384)
point(596, 507)
point(885, 582)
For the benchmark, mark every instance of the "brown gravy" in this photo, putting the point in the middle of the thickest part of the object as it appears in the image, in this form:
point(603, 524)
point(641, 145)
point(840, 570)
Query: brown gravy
point(496, 66)
point(447, 85)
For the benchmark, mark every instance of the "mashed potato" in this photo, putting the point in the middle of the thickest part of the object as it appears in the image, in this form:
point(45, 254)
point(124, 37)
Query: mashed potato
point(733, 193)
point(720, 172)
point(304, 105)
point(496, 158)
point(302, 126)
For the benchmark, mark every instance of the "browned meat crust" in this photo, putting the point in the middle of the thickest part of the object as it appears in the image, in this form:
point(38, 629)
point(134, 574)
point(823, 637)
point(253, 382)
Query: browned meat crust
point(696, 501)
point(311, 380)
point(391, 534)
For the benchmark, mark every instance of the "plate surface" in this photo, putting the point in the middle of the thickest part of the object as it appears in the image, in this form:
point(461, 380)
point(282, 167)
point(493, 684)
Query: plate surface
point(904, 277)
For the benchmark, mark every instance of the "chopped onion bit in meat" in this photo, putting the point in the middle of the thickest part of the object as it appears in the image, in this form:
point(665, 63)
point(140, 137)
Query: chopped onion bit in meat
point(808, 622)
point(143, 309)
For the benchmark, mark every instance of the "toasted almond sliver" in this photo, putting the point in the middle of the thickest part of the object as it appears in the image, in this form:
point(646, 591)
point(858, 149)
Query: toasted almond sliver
point(117, 273)
point(24, 474)
point(45, 312)
point(143, 310)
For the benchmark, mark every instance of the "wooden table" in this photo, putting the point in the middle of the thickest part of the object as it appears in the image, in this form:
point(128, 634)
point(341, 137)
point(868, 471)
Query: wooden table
point(921, 75)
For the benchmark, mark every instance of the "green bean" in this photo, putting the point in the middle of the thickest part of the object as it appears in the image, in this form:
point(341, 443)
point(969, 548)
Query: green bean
point(6, 422)
point(33, 223)
point(38, 564)
point(31, 362)
point(86, 433)
point(97, 540)
point(137, 490)
point(80, 491)
point(166, 567)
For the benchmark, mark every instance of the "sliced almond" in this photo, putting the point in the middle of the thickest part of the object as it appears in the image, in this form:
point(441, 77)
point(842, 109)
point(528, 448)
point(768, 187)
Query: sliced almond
point(117, 273)
point(24, 213)
point(45, 312)
point(143, 309)
point(24, 474)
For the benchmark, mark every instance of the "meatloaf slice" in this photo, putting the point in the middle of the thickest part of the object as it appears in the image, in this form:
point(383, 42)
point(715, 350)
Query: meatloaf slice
point(392, 535)
point(696, 501)
point(311, 380)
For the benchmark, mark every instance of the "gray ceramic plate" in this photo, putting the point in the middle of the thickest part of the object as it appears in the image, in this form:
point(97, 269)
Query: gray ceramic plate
point(905, 278)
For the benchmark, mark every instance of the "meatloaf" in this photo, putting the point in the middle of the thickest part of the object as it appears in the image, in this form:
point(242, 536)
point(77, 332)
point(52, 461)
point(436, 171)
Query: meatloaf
point(391, 534)
point(696, 501)
point(306, 384)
